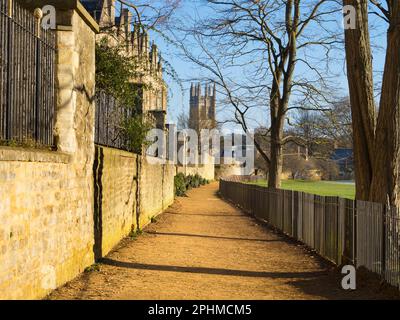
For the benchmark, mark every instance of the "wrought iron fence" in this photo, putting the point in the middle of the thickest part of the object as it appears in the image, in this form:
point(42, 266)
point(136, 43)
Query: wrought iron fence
point(361, 233)
point(110, 115)
point(116, 124)
point(27, 77)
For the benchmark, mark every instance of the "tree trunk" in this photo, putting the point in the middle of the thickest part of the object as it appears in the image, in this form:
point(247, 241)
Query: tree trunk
point(279, 102)
point(275, 168)
point(275, 171)
point(385, 183)
point(359, 73)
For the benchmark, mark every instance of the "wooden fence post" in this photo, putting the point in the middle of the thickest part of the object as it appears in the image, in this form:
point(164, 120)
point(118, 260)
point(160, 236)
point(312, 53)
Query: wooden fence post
point(355, 235)
point(385, 211)
point(338, 233)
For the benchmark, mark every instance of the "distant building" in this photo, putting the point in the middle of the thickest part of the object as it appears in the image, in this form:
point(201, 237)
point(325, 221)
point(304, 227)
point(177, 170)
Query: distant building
point(238, 144)
point(344, 158)
point(202, 108)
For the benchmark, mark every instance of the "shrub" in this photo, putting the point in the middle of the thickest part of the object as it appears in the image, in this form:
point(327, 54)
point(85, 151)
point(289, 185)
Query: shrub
point(184, 183)
point(196, 181)
point(189, 179)
point(180, 185)
point(329, 169)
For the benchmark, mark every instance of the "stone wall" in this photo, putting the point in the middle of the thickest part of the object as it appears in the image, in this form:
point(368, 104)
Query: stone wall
point(116, 182)
point(156, 188)
point(46, 224)
point(117, 197)
point(59, 210)
point(46, 198)
point(228, 167)
point(206, 170)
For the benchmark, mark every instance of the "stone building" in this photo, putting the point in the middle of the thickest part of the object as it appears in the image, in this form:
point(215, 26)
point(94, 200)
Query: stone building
point(134, 42)
point(202, 108)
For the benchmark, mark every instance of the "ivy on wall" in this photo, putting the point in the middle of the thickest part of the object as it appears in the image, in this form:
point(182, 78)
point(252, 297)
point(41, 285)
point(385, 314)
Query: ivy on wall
point(114, 76)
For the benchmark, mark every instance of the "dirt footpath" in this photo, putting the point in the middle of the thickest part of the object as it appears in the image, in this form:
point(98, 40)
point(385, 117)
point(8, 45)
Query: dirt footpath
point(204, 248)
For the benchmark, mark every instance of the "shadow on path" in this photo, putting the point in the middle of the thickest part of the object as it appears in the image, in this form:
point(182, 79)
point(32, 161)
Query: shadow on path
point(214, 271)
point(210, 237)
point(208, 215)
point(207, 250)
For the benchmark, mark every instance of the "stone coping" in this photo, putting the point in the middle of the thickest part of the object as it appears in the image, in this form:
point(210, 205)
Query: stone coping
point(33, 155)
point(127, 154)
point(87, 17)
point(66, 5)
point(157, 161)
point(118, 152)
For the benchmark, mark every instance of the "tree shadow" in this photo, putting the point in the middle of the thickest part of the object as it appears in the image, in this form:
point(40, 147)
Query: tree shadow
point(211, 237)
point(213, 271)
point(208, 215)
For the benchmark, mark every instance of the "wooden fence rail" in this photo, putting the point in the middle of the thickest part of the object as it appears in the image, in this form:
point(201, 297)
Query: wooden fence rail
point(343, 231)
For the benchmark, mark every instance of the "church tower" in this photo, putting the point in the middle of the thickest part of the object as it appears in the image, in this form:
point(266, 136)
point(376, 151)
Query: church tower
point(202, 107)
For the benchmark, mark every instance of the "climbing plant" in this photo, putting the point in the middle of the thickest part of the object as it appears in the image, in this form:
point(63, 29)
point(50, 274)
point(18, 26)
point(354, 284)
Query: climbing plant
point(115, 75)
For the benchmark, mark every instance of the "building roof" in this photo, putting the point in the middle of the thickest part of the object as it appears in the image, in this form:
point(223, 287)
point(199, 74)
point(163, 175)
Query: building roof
point(342, 154)
point(93, 7)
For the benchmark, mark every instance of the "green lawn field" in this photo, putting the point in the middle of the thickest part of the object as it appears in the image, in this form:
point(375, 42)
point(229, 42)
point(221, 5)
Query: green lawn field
point(322, 188)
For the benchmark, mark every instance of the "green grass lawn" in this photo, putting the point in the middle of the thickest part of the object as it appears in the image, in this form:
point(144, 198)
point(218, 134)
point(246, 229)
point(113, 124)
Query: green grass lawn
point(322, 188)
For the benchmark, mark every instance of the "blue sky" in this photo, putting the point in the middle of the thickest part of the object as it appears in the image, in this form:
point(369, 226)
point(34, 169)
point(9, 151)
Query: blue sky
point(179, 101)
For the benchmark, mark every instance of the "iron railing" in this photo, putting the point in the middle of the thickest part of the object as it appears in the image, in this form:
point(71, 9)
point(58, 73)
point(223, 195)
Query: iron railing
point(114, 118)
point(110, 117)
point(27, 77)
point(361, 233)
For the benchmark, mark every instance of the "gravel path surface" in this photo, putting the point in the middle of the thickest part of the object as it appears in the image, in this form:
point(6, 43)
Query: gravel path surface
point(205, 248)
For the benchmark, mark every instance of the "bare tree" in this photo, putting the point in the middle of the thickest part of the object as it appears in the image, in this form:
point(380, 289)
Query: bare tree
point(305, 130)
point(150, 14)
point(336, 124)
point(359, 73)
point(385, 181)
point(183, 121)
point(267, 41)
point(297, 166)
point(377, 143)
